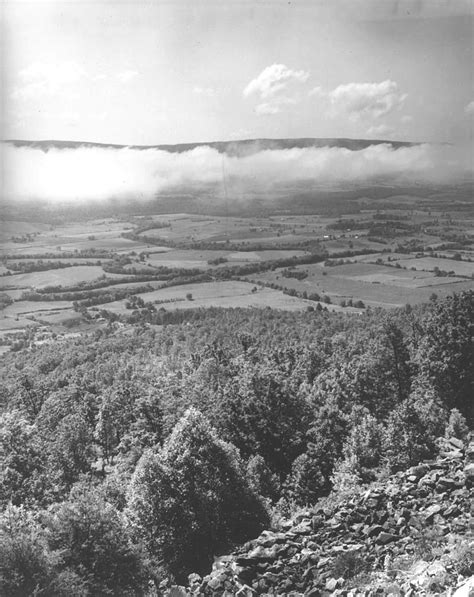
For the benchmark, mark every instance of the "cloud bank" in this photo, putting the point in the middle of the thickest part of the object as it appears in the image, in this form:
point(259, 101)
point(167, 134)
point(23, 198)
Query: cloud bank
point(94, 173)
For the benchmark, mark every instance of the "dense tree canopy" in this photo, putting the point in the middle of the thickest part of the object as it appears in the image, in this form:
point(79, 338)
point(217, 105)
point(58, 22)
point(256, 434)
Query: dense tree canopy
point(278, 405)
point(191, 500)
point(445, 354)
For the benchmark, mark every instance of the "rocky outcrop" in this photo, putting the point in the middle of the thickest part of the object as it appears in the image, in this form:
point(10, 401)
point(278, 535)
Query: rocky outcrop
point(402, 536)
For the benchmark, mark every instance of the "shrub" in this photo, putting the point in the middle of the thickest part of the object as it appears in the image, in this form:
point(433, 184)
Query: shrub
point(27, 565)
point(92, 537)
point(363, 447)
point(261, 479)
point(413, 428)
point(22, 463)
point(190, 500)
point(345, 480)
point(307, 482)
point(349, 564)
point(457, 426)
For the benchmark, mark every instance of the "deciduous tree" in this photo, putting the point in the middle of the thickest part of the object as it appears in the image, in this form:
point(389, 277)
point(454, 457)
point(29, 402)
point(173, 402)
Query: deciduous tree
point(190, 500)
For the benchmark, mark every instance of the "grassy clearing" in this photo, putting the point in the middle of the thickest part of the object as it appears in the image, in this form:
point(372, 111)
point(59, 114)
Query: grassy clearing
point(10, 324)
point(97, 234)
point(118, 244)
point(66, 276)
point(33, 307)
point(348, 243)
point(190, 258)
point(268, 230)
point(186, 259)
point(58, 317)
point(9, 229)
point(460, 268)
point(70, 260)
point(14, 293)
point(216, 294)
point(375, 285)
point(384, 257)
point(380, 274)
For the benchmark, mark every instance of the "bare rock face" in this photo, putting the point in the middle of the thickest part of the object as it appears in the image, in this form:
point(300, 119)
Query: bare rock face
point(401, 537)
point(466, 589)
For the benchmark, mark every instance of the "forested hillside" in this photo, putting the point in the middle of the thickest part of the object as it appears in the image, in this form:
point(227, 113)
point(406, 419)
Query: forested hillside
point(140, 453)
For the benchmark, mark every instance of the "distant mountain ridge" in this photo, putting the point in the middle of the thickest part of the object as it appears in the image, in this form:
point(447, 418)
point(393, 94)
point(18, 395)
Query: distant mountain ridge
point(241, 147)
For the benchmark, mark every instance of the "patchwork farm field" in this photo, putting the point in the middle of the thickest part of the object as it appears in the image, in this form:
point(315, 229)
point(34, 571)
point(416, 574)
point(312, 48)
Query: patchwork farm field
point(188, 229)
point(460, 268)
point(24, 238)
point(61, 278)
point(375, 285)
point(34, 307)
point(217, 294)
point(189, 258)
point(66, 276)
point(13, 228)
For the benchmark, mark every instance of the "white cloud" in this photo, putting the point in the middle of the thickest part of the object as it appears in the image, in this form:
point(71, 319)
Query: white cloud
point(127, 75)
point(380, 130)
point(276, 85)
point(363, 100)
point(204, 91)
point(41, 79)
point(469, 109)
point(273, 79)
point(367, 99)
point(275, 105)
point(267, 108)
point(407, 119)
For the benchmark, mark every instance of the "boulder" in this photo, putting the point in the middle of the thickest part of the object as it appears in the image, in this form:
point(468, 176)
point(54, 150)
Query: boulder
point(430, 512)
point(418, 471)
point(390, 519)
point(383, 538)
point(177, 591)
point(469, 473)
point(466, 589)
point(457, 443)
point(372, 531)
point(331, 584)
point(245, 591)
point(429, 577)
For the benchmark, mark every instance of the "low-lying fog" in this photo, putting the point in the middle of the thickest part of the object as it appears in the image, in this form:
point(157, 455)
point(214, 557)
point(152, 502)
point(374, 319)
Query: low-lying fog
point(96, 173)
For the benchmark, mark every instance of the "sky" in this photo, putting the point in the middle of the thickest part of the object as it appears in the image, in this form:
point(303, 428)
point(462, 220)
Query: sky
point(192, 70)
